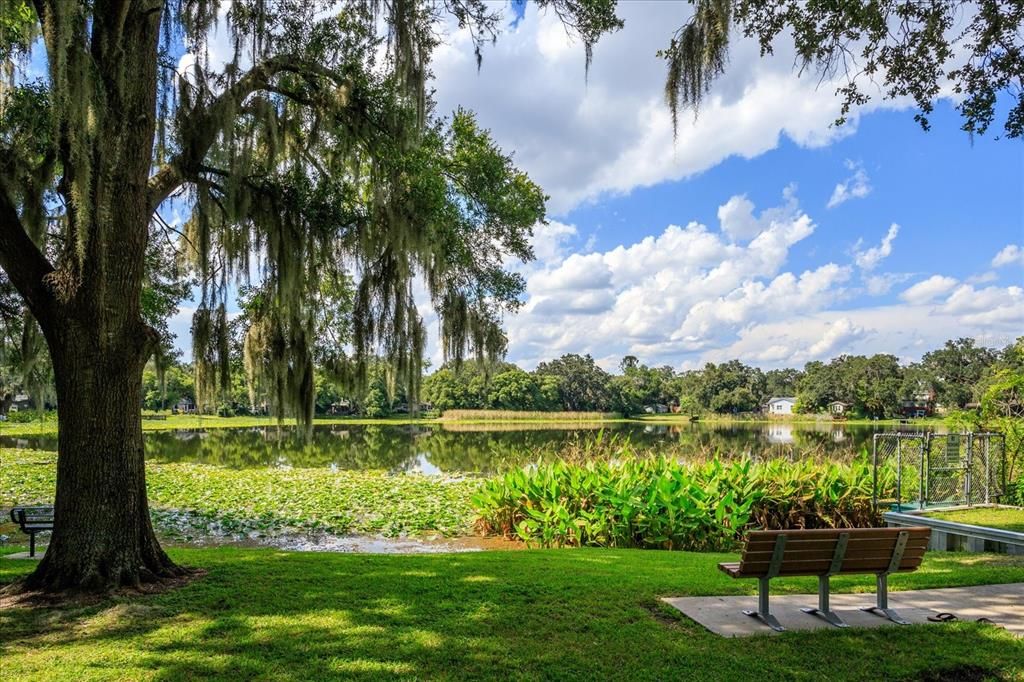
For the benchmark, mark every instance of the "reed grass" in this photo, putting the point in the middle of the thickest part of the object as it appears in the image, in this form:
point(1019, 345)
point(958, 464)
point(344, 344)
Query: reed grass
point(513, 415)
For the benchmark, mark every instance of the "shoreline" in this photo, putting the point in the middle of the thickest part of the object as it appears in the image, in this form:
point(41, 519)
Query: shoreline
point(186, 422)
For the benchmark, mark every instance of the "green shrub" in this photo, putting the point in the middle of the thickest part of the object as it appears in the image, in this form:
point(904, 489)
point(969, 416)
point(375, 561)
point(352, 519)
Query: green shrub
point(664, 504)
point(1015, 493)
point(29, 416)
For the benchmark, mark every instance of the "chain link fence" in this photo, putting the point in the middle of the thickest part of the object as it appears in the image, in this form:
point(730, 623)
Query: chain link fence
point(918, 469)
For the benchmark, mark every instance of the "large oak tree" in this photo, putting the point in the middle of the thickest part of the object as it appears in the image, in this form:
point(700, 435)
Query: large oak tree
point(309, 157)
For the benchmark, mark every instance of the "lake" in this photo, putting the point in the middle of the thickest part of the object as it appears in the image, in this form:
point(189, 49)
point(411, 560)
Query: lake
point(478, 448)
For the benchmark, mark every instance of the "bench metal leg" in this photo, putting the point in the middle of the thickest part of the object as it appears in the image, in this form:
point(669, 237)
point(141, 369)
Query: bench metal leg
point(31, 544)
point(823, 611)
point(881, 607)
point(762, 613)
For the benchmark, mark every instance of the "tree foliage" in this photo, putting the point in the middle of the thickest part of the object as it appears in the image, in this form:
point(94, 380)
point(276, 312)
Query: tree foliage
point(305, 156)
point(957, 367)
point(904, 48)
point(310, 154)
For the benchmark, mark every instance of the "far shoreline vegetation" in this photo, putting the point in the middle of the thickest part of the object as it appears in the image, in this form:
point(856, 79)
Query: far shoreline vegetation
point(165, 421)
point(853, 389)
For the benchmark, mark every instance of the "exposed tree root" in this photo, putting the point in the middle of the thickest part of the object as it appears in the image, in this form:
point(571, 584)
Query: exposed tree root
point(23, 594)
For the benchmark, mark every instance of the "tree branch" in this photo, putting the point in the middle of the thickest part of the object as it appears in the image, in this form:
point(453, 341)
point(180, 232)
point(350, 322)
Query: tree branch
point(21, 259)
point(207, 122)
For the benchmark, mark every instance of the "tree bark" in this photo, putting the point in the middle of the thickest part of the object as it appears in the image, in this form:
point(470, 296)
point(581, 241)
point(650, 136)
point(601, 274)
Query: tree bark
point(103, 537)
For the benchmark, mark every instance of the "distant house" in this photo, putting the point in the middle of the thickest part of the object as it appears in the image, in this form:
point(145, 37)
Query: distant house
point(778, 407)
point(184, 406)
point(921, 404)
point(656, 409)
point(341, 407)
point(21, 401)
point(837, 408)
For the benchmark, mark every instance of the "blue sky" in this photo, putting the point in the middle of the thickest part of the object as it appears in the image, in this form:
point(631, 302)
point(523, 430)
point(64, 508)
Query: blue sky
point(761, 231)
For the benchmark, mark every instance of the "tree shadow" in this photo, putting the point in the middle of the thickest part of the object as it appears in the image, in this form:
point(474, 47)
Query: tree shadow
point(568, 614)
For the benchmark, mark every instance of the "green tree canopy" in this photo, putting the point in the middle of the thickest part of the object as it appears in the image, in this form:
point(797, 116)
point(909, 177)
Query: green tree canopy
point(956, 368)
point(582, 385)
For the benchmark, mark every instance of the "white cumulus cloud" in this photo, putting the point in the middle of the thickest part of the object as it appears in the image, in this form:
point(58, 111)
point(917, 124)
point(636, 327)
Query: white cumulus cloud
point(857, 186)
point(581, 138)
point(929, 289)
point(868, 259)
point(1011, 254)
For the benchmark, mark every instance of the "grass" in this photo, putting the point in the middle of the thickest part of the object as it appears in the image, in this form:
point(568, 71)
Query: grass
point(1006, 518)
point(192, 421)
point(539, 614)
point(269, 500)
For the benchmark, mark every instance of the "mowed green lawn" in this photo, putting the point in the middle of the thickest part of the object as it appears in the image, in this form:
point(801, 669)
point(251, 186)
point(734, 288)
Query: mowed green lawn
point(551, 614)
point(1006, 518)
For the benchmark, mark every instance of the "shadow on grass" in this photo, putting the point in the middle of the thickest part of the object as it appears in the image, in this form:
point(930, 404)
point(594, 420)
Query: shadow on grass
point(584, 614)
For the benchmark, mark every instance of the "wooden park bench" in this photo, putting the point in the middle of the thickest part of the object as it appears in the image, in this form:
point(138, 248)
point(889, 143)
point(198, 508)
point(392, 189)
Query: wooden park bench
point(33, 520)
point(781, 553)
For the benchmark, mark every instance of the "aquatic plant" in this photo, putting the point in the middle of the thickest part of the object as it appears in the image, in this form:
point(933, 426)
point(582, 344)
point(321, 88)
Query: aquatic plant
point(667, 504)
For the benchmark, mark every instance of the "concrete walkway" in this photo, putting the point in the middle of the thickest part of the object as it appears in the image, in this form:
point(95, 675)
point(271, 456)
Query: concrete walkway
point(1003, 604)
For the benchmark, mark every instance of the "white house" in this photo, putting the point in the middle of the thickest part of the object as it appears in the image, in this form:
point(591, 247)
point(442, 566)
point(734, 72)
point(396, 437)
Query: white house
point(781, 406)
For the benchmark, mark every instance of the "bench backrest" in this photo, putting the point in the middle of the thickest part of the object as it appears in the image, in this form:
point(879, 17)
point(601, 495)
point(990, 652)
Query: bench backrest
point(32, 516)
point(833, 551)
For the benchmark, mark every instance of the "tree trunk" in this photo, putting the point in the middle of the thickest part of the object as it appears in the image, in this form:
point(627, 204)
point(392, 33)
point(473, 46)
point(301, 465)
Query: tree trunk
point(103, 536)
point(89, 305)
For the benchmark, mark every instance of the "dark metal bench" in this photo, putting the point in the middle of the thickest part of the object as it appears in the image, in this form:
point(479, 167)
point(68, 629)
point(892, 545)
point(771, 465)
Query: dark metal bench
point(778, 553)
point(33, 520)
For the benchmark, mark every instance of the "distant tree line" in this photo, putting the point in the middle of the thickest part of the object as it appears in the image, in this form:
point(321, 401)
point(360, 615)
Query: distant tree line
point(954, 377)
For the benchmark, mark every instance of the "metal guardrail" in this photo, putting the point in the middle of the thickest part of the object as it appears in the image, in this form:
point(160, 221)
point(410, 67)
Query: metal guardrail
point(1008, 537)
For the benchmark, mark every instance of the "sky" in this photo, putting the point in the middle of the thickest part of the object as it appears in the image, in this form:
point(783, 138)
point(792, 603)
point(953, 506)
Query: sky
point(761, 231)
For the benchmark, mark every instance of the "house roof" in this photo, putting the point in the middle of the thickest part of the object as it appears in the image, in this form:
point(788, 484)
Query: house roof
point(781, 399)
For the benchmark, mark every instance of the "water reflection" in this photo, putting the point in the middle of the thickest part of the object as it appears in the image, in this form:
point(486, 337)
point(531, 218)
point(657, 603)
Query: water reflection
point(476, 448)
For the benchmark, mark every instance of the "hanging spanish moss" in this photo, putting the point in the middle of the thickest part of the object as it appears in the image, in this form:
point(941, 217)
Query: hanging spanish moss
point(696, 55)
point(210, 356)
point(335, 175)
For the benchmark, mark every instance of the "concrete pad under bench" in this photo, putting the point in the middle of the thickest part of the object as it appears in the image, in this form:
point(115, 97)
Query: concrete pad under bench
point(1003, 604)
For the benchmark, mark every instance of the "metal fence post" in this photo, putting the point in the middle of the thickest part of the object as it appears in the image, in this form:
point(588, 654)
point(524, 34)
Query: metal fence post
point(899, 472)
point(988, 473)
point(926, 468)
point(874, 473)
point(920, 478)
point(968, 457)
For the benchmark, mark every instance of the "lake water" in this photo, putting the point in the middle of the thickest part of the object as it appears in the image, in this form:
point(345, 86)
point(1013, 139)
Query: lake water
point(475, 448)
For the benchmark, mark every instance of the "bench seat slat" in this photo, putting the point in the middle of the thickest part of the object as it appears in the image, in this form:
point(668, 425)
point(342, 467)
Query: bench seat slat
point(913, 531)
point(873, 565)
point(801, 554)
point(854, 544)
point(732, 568)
